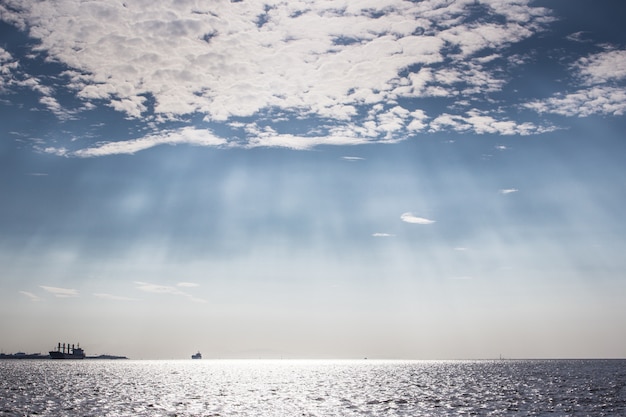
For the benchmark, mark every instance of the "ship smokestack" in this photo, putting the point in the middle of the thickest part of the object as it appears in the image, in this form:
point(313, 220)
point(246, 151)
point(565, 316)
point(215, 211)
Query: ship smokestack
point(63, 347)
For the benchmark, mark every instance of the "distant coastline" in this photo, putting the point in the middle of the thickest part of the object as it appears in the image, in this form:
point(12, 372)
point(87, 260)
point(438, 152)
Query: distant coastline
point(107, 357)
point(22, 355)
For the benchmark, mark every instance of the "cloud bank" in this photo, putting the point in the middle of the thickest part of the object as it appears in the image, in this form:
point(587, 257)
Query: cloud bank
point(351, 72)
point(345, 65)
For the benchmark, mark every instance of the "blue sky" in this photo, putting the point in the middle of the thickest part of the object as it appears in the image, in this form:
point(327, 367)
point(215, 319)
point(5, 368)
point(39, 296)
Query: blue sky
point(390, 179)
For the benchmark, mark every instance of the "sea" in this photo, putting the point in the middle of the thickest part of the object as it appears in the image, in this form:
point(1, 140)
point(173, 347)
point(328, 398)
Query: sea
point(313, 388)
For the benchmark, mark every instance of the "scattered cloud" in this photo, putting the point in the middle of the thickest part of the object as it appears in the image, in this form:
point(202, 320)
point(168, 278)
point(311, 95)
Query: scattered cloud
point(8, 67)
point(481, 122)
point(352, 158)
point(187, 135)
point(508, 190)
point(187, 284)
point(55, 107)
point(167, 289)
point(60, 292)
point(605, 100)
point(383, 235)
point(31, 296)
point(411, 218)
point(114, 297)
point(602, 67)
point(351, 70)
point(581, 37)
point(158, 289)
point(601, 79)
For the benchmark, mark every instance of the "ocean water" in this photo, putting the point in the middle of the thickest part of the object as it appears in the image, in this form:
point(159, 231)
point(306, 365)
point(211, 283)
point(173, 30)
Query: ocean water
point(313, 388)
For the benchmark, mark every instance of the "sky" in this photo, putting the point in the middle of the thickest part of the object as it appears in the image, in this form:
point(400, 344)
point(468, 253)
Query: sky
point(431, 179)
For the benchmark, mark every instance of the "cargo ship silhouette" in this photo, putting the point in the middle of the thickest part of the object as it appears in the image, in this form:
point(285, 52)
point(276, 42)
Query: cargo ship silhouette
point(63, 352)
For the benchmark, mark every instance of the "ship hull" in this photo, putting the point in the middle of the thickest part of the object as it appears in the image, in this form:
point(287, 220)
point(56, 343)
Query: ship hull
point(61, 355)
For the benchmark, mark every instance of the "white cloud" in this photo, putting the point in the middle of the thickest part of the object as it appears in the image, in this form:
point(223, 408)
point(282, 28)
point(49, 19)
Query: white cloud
point(60, 292)
point(602, 67)
point(448, 121)
point(7, 67)
point(4, 56)
point(31, 296)
point(158, 289)
point(53, 105)
point(411, 218)
point(585, 102)
point(418, 121)
point(579, 37)
point(482, 123)
point(311, 59)
point(275, 140)
point(187, 135)
point(114, 297)
point(187, 284)
point(352, 158)
point(508, 190)
point(599, 92)
point(382, 235)
point(167, 289)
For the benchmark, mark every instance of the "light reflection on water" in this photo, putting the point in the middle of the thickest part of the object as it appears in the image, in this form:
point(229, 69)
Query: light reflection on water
point(313, 388)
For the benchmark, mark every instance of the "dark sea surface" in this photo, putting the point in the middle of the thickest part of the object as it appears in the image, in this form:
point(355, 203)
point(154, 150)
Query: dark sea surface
point(313, 388)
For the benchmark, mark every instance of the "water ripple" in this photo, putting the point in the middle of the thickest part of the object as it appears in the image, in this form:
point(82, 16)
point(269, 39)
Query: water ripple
point(313, 388)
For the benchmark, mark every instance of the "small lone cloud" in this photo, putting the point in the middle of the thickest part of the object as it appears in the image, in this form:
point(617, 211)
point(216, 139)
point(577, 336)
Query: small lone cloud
point(383, 235)
point(167, 289)
point(508, 190)
point(31, 296)
point(460, 249)
point(113, 297)
point(582, 37)
point(352, 158)
point(61, 292)
point(411, 218)
point(158, 289)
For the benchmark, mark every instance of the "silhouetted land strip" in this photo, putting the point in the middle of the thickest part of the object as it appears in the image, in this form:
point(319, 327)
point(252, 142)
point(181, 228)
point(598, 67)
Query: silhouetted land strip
point(22, 355)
